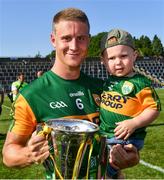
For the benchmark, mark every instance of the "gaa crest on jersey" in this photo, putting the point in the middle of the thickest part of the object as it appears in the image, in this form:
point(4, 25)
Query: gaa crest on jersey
point(96, 99)
point(127, 87)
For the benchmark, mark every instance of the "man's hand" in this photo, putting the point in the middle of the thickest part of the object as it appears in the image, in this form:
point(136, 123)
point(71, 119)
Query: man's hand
point(123, 157)
point(38, 148)
point(21, 150)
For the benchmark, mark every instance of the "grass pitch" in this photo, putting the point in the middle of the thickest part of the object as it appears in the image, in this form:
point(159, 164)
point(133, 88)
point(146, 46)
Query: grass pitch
point(151, 154)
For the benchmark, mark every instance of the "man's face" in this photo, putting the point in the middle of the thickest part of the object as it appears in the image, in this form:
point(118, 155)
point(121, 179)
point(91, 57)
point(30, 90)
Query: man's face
point(71, 41)
point(21, 78)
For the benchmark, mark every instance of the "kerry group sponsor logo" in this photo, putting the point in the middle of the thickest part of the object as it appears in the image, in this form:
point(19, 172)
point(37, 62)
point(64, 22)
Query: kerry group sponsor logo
point(58, 104)
point(76, 94)
point(113, 100)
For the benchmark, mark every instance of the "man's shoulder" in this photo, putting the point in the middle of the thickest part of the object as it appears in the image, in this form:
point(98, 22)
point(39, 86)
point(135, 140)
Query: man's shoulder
point(36, 85)
point(94, 84)
point(25, 83)
point(91, 79)
point(15, 82)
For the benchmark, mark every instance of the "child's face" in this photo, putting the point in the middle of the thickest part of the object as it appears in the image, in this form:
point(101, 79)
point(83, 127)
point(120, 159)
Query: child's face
point(119, 60)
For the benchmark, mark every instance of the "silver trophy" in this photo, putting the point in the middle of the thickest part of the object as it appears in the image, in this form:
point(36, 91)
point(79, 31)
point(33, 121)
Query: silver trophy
point(71, 138)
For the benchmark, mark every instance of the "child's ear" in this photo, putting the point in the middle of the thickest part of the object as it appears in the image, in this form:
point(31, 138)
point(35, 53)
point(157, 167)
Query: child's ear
point(136, 54)
point(101, 59)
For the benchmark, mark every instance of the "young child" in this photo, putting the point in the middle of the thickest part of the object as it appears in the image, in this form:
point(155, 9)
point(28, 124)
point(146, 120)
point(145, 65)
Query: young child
point(129, 102)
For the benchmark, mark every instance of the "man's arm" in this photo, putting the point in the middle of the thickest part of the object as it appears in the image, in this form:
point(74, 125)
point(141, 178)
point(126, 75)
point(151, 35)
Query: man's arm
point(123, 157)
point(19, 152)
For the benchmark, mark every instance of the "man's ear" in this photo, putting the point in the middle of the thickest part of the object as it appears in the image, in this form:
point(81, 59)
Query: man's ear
point(52, 38)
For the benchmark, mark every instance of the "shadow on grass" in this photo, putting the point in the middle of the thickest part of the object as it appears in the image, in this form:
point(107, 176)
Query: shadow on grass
point(160, 124)
point(2, 136)
point(5, 120)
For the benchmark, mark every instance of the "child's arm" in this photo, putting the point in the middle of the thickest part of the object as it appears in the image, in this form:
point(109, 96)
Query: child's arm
point(125, 128)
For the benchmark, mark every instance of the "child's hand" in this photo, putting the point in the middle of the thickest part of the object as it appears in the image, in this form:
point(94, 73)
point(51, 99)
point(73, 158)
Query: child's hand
point(124, 129)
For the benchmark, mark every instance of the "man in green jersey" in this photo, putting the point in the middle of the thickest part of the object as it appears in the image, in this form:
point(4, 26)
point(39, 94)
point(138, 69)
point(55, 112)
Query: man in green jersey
point(18, 85)
point(62, 92)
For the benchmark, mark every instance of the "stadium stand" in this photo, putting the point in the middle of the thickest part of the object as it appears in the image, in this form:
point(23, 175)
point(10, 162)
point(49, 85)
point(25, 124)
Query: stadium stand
point(9, 68)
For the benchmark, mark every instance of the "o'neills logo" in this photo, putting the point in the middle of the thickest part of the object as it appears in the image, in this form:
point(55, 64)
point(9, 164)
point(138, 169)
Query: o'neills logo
point(78, 93)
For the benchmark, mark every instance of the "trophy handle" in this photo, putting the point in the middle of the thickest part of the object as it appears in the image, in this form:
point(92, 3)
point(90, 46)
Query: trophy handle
point(44, 130)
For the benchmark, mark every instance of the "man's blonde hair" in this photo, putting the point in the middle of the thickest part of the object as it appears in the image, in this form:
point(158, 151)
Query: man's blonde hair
point(71, 14)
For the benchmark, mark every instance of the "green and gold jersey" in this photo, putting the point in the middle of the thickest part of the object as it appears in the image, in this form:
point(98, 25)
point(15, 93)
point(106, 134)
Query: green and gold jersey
point(124, 98)
point(50, 97)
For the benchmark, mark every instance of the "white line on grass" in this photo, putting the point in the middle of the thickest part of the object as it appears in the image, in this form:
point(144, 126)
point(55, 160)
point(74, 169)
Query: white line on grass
point(6, 107)
point(152, 166)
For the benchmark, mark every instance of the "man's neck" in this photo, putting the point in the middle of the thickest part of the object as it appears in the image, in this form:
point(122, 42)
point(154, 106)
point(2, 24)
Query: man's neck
point(67, 73)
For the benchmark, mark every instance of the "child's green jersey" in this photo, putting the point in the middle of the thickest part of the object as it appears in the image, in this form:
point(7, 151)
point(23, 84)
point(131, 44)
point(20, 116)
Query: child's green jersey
point(50, 97)
point(124, 98)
